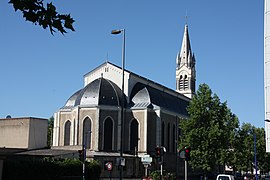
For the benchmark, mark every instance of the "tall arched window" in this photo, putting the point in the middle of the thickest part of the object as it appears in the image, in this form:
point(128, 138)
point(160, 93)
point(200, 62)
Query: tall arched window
point(169, 138)
point(134, 134)
point(163, 134)
point(181, 83)
point(108, 135)
point(174, 138)
point(186, 82)
point(86, 132)
point(67, 133)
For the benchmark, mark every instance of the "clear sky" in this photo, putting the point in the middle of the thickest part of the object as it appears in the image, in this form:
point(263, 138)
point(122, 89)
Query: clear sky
point(39, 72)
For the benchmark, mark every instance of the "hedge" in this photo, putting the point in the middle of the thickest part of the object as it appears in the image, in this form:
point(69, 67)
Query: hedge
point(48, 168)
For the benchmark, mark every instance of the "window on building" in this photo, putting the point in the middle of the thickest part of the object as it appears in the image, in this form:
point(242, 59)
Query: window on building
point(134, 134)
point(163, 134)
point(67, 133)
point(174, 138)
point(169, 138)
point(181, 83)
point(185, 82)
point(86, 133)
point(108, 135)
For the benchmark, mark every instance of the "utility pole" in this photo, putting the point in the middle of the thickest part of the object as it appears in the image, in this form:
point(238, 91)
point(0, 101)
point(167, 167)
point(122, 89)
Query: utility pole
point(121, 159)
point(184, 153)
point(83, 169)
point(186, 171)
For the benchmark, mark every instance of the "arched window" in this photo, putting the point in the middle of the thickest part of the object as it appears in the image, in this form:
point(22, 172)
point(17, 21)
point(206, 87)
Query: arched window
point(169, 138)
point(181, 83)
point(86, 133)
point(67, 133)
point(186, 83)
point(134, 134)
point(108, 135)
point(163, 134)
point(174, 138)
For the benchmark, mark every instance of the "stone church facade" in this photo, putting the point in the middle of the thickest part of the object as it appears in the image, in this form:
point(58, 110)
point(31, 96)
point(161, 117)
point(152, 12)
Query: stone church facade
point(92, 115)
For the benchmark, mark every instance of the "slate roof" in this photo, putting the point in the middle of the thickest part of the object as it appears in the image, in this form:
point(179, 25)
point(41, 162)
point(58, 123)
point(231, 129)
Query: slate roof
point(105, 92)
point(145, 96)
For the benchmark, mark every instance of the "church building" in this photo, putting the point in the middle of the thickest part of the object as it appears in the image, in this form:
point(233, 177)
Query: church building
point(151, 114)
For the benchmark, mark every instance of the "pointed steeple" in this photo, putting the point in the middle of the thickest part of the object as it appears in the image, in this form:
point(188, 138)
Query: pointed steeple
point(185, 67)
point(185, 56)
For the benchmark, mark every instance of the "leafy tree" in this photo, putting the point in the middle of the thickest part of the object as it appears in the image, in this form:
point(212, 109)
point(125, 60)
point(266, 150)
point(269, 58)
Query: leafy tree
point(209, 131)
point(50, 131)
point(263, 158)
point(244, 149)
point(46, 17)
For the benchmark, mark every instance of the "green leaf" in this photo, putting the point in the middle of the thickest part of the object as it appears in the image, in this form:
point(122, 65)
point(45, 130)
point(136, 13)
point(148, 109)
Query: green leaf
point(34, 11)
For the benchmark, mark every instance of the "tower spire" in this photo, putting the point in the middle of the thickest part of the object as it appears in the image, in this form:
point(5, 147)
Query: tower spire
point(185, 67)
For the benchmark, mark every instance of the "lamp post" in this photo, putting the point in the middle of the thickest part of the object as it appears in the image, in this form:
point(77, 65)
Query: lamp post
point(85, 140)
point(122, 99)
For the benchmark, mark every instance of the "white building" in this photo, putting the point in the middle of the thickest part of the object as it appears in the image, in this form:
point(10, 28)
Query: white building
point(267, 71)
point(92, 115)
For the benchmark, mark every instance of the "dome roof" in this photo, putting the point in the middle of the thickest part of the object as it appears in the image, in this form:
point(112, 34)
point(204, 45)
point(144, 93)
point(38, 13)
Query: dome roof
point(71, 101)
point(99, 92)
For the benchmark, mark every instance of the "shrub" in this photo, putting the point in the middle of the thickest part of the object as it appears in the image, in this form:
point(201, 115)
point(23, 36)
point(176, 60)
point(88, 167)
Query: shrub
point(49, 168)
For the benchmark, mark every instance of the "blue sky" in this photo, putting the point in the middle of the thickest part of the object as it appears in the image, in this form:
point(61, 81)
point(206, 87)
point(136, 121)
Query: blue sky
point(39, 72)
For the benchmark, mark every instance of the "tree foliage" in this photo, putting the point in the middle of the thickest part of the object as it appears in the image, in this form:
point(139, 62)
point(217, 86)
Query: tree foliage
point(50, 131)
point(214, 135)
point(263, 158)
point(46, 17)
point(209, 131)
point(244, 149)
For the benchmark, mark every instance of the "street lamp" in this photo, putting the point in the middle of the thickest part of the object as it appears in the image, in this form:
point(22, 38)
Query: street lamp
point(85, 140)
point(122, 99)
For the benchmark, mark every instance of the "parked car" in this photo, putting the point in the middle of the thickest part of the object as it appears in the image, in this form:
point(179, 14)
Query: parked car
point(225, 177)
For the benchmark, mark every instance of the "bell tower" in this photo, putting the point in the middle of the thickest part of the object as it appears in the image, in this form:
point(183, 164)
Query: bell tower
point(185, 68)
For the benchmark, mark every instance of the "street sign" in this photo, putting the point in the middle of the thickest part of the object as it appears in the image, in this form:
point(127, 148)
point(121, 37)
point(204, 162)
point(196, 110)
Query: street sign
point(143, 155)
point(120, 161)
point(108, 165)
point(182, 154)
point(146, 159)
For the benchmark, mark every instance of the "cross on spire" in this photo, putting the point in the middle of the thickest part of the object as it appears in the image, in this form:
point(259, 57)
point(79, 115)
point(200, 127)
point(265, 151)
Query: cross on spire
point(186, 17)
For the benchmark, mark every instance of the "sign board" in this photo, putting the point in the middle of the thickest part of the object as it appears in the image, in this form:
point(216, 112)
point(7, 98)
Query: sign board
point(121, 161)
point(143, 155)
point(146, 159)
point(182, 154)
point(108, 165)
